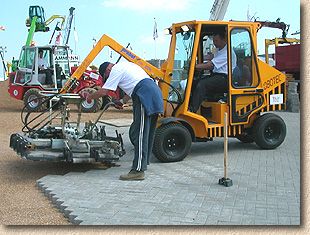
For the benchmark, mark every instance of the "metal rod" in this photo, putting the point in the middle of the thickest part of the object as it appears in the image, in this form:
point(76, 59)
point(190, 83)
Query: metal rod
point(79, 116)
point(225, 145)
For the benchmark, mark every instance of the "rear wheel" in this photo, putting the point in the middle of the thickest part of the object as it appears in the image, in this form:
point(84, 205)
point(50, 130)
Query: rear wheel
point(172, 142)
point(94, 105)
point(269, 131)
point(34, 101)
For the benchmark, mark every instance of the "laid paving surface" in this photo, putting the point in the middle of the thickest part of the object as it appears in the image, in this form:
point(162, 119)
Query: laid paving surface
point(265, 191)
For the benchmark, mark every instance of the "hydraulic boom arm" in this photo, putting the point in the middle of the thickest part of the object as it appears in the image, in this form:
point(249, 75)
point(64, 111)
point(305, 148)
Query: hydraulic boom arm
point(278, 25)
point(104, 41)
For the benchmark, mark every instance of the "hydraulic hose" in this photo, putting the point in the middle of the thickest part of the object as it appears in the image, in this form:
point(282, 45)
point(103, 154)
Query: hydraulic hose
point(177, 93)
point(24, 118)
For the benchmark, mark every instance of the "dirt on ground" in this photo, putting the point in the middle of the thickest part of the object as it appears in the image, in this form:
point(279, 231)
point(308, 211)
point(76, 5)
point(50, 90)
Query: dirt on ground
point(21, 202)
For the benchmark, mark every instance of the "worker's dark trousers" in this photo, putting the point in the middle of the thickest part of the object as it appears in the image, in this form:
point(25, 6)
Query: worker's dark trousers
point(216, 83)
point(142, 133)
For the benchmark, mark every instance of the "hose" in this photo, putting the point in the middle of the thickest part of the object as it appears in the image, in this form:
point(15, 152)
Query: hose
point(26, 128)
point(179, 102)
point(98, 118)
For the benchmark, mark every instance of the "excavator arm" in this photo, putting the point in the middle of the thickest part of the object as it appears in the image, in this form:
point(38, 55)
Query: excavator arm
point(105, 41)
point(53, 17)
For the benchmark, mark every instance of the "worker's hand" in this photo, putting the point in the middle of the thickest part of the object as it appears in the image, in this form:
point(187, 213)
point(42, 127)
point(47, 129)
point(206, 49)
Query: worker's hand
point(85, 95)
point(209, 56)
point(118, 104)
point(126, 98)
point(205, 66)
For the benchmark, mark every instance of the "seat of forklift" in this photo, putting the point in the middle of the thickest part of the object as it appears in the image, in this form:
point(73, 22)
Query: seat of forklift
point(212, 97)
point(213, 111)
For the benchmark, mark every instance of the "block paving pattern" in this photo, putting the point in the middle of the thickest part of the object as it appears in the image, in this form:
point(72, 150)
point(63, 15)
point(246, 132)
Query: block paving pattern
point(265, 191)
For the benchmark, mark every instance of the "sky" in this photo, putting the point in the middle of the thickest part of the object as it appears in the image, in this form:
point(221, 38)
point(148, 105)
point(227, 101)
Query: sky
point(132, 21)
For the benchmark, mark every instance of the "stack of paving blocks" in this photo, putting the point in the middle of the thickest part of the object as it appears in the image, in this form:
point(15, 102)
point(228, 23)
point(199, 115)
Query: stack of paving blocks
point(293, 103)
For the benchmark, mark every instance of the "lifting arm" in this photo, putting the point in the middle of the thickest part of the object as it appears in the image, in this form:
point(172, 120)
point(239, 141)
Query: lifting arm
point(104, 41)
point(53, 17)
point(31, 31)
point(278, 25)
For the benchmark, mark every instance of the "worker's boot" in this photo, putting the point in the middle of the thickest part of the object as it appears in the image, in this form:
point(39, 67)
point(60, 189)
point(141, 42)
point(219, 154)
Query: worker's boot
point(133, 175)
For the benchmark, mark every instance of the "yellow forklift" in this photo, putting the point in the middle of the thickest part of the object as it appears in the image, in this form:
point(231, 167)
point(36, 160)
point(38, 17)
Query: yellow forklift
point(261, 90)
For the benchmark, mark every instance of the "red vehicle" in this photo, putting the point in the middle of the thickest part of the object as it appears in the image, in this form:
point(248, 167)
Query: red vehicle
point(28, 81)
point(287, 57)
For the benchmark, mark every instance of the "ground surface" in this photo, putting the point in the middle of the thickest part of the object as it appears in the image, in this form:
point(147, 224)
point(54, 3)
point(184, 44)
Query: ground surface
point(265, 190)
point(266, 184)
point(21, 203)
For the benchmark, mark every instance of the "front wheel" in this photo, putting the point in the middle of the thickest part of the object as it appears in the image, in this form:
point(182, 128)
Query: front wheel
point(34, 101)
point(172, 142)
point(269, 131)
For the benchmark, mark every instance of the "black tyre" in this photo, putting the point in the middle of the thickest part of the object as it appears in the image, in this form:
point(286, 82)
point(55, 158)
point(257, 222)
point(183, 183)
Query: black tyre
point(131, 136)
point(34, 101)
point(245, 138)
point(172, 142)
point(269, 131)
point(93, 106)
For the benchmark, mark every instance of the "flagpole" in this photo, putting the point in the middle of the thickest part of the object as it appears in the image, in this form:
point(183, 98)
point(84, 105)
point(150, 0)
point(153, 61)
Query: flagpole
point(155, 49)
point(155, 35)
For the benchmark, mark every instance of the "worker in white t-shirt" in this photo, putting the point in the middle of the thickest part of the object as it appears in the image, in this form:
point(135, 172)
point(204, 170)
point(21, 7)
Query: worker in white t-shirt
point(217, 82)
point(44, 68)
point(147, 105)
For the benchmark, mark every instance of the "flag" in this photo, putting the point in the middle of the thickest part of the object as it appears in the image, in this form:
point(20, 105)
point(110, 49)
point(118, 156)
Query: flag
point(248, 14)
point(155, 34)
point(2, 27)
point(58, 38)
point(76, 38)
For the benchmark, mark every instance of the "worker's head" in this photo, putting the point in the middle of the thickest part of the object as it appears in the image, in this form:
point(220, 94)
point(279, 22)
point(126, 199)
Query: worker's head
point(219, 39)
point(104, 70)
point(40, 53)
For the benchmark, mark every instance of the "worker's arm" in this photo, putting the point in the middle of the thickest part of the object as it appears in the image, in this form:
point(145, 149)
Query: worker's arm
point(99, 93)
point(90, 96)
point(205, 66)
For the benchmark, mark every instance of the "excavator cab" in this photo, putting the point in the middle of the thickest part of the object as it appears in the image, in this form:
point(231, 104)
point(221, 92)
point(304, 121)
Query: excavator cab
point(29, 71)
point(38, 13)
point(56, 61)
